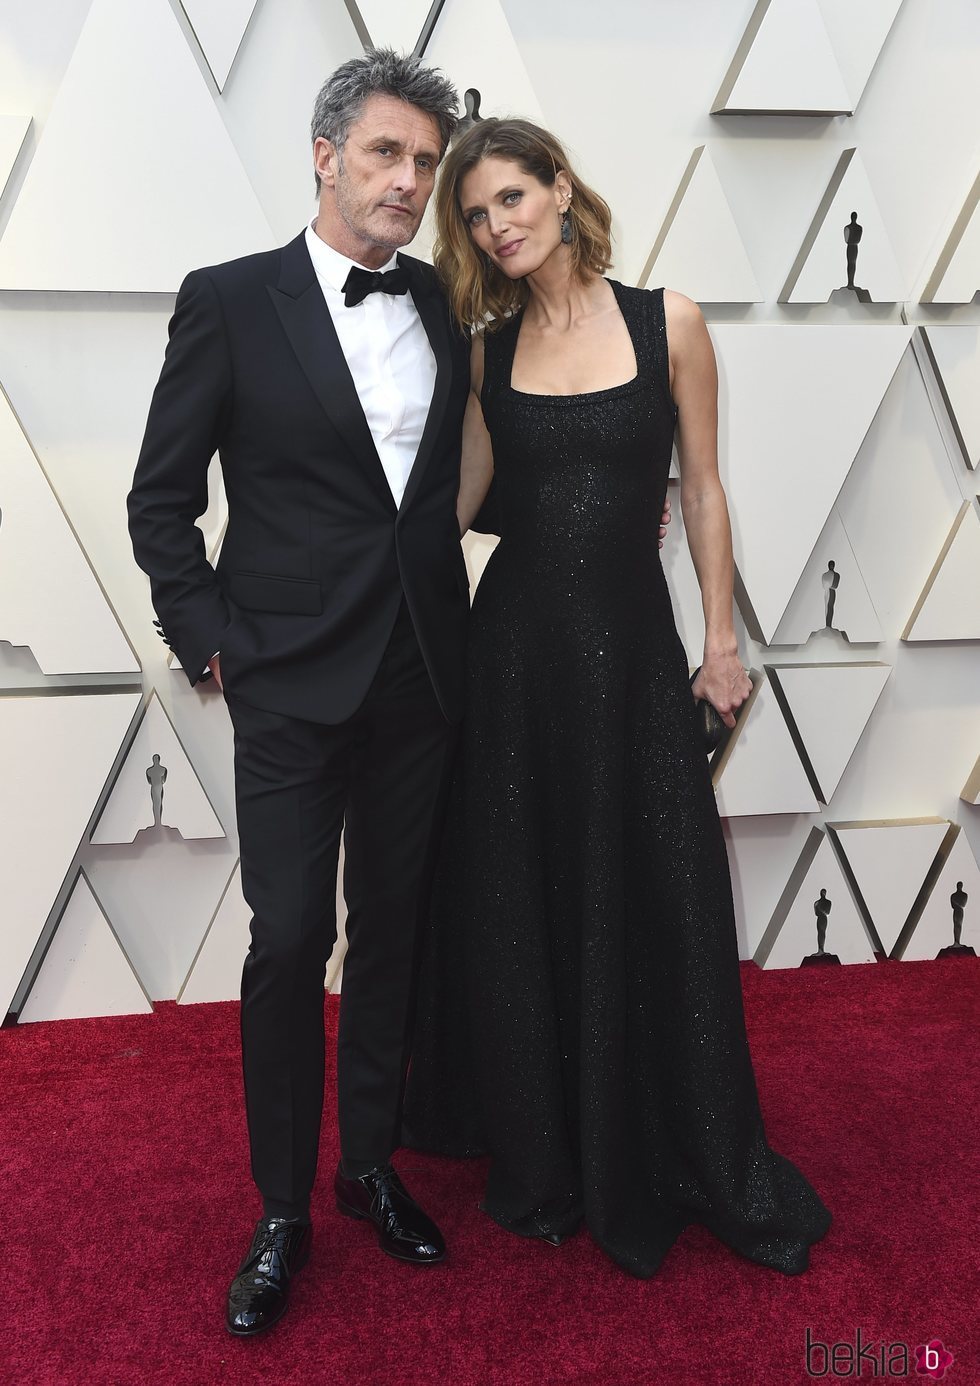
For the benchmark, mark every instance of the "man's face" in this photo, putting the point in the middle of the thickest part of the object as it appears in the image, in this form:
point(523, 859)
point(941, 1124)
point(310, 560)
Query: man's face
point(373, 193)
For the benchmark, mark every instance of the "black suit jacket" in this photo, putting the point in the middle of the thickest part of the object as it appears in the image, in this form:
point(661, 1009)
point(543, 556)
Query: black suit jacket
point(316, 556)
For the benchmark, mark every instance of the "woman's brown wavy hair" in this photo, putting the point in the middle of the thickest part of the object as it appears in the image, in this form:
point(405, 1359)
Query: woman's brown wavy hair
point(479, 293)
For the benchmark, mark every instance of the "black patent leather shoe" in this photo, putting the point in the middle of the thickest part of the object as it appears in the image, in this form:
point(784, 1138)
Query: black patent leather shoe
point(381, 1198)
point(259, 1293)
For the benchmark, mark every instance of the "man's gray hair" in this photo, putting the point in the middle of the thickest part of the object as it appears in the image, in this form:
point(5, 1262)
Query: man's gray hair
point(382, 72)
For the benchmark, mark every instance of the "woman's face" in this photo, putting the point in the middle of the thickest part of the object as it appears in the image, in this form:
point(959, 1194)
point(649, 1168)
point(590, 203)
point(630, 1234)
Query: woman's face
point(512, 216)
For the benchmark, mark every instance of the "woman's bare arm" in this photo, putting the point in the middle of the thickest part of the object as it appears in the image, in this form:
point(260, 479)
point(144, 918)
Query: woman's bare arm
point(476, 468)
point(722, 679)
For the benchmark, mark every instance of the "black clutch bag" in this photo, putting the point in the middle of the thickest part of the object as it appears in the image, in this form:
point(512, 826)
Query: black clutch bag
point(711, 729)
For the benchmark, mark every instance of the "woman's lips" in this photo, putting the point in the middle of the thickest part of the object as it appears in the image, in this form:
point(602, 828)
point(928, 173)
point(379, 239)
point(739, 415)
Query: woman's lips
point(510, 248)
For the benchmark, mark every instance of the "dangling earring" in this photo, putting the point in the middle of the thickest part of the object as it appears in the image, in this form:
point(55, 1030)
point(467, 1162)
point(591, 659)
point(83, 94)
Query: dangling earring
point(566, 228)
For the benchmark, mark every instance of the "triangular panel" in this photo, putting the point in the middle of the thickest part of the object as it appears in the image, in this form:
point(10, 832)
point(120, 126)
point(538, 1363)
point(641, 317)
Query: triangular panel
point(760, 771)
point(970, 792)
point(473, 44)
point(219, 27)
point(785, 446)
point(816, 895)
point(847, 210)
point(85, 971)
point(954, 898)
point(954, 351)
point(50, 599)
point(699, 250)
point(888, 864)
point(134, 147)
point(762, 854)
point(394, 23)
point(161, 903)
point(477, 551)
point(829, 707)
point(831, 595)
point(213, 525)
point(156, 787)
point(949, 607)
point(216, 972)
point(488, 73)
point(58, 750)
point(858, 34)
point(13, 133)
point(785, 64)
point(956, 276)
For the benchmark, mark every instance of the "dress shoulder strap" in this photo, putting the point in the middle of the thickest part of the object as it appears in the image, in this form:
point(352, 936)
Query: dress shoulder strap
point(643, 310)
point(498, 355)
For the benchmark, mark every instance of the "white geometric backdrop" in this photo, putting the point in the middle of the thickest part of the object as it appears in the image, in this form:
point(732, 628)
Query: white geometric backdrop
point(733, 140)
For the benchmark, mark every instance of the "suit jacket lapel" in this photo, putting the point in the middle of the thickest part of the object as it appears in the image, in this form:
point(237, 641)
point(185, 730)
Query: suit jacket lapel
point(306, 320)
point(434, 312)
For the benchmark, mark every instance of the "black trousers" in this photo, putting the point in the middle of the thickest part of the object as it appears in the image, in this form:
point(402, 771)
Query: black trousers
point(378, 777)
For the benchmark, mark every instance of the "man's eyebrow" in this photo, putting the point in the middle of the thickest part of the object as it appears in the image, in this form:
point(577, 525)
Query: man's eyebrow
point(383, 141)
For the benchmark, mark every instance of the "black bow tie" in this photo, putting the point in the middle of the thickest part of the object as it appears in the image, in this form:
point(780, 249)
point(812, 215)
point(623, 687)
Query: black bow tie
point(361, 282)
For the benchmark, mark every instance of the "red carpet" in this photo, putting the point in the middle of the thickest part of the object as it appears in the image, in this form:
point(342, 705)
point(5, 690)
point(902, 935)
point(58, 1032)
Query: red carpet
point(127, 1203)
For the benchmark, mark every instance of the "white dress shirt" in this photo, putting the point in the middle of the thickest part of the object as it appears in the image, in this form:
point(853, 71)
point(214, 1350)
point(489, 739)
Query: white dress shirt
point(389, 357)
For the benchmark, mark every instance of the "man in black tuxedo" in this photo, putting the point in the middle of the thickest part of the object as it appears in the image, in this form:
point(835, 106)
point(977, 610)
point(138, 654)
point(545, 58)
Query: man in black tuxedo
point(332, 383)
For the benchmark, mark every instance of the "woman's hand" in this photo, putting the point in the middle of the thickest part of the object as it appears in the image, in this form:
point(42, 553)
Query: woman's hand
point(724, 682)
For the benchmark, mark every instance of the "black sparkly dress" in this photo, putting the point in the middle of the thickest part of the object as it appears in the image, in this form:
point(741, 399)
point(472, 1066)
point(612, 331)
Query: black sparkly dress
point(580, 1009)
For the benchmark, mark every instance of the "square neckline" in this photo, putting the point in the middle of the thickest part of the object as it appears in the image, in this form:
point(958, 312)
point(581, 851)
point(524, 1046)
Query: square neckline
point(634, 382)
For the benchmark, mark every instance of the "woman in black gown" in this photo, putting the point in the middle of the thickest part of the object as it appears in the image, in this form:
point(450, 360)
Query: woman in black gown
point(580, 1009)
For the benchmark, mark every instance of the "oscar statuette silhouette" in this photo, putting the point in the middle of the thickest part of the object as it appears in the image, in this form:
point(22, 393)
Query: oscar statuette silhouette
point(156, 778)
point(471, 100)
point(957, 949)
point(821, 908)
point(831, 582)
point(853, 231)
